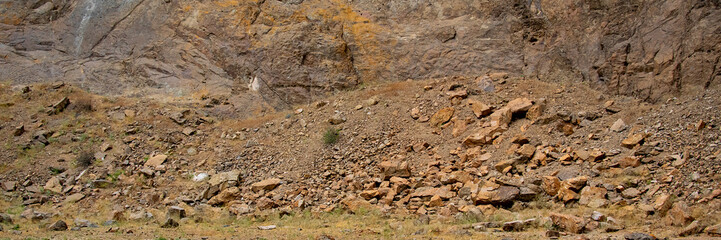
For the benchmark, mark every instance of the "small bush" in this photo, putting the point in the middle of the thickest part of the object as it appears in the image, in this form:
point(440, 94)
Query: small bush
point(84, 159)
point(331, 136)
point(82, 104)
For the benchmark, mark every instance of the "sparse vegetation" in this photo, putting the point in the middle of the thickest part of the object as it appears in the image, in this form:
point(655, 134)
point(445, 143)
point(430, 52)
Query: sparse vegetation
point(56, 171)
point(331, 136)
point(27, 153)
point(17, 209)
point(115, 175)
point(83, 137)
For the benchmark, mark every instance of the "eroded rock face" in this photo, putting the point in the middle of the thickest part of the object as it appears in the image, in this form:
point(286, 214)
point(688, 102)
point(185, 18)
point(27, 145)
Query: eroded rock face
point(283, 52)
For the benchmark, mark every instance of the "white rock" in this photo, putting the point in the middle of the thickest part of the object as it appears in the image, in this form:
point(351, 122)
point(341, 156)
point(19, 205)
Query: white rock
point(200, 177)
point(269, 227)
point(618, 126)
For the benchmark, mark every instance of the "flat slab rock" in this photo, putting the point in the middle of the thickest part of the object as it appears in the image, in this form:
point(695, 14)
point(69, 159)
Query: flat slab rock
point(269, 227)
point(156, 160)
point(267, 184)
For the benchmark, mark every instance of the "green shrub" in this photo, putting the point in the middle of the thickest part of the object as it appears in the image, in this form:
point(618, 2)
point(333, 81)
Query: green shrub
point(115, 175)
point(331, 136)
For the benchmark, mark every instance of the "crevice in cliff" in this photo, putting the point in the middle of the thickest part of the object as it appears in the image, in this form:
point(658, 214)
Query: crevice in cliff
point(115, 25)
point(257, 14)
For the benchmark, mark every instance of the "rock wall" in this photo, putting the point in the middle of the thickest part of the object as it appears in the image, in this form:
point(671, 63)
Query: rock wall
point(295, 50)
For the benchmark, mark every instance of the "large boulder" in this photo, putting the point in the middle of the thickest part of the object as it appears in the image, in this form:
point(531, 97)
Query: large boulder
point(594, 197)
point(59, 225)
point(430, 192)
point(479, 109)
point(395, 168)
point(492, 193)
point(551, 185)
point(225, 196)
point(568, 223)
point(679, 215)
point(232, 177)
point(519, 105)
point(355, 205)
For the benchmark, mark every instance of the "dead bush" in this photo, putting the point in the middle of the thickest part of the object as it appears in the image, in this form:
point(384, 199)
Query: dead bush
point(85, 159)
point(81, 104)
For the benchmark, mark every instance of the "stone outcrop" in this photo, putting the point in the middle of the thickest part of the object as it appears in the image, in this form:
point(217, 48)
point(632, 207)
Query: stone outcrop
point(284, 52)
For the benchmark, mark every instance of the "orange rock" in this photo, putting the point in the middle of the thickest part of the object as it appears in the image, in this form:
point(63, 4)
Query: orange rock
point(483, 137)
point(354, 204)
point(551, 185)
point(633, 140)
point(436, 201)
point(567, 195)
point(442, 116)
point(593, 196)
point(568, 223)
point(395, 168)
point(519, 105)
point(502, 117)
point(479, 109)
point(225, 196)
point(267, 184)
point(629, 161)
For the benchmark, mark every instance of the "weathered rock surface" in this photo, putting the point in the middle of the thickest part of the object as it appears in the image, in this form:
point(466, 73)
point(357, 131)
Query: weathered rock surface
point(667, 43)
point(490, 194)
point(395, 168)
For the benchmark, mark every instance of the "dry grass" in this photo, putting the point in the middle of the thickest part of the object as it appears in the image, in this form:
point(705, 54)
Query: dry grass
point(369, 224)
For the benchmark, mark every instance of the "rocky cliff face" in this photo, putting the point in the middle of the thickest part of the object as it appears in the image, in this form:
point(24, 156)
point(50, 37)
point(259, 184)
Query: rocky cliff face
point(286, 52)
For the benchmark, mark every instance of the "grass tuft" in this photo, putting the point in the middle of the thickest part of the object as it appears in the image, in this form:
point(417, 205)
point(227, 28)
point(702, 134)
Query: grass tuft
point(331, 136)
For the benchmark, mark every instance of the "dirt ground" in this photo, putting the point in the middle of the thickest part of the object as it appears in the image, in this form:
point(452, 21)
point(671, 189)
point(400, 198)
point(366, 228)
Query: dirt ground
point(199, 135)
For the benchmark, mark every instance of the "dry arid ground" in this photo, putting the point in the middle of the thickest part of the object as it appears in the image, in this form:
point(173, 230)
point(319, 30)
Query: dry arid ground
point(332, 189)
point(335, 119)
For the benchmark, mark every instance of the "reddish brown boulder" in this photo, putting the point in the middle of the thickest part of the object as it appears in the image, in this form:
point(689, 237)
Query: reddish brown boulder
point(227, 195)
point(479, 109)
point(551, 185)
point(490, 194)
point(519, 105)
point(568, 223)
